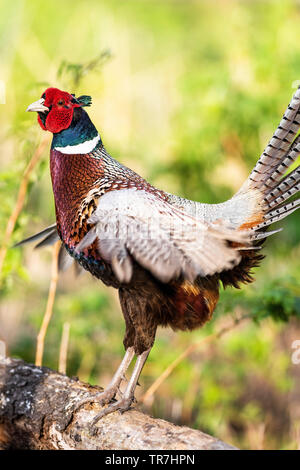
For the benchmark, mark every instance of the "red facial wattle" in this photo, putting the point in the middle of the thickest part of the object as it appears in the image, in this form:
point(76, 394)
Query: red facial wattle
point(56, 120)
point(61, 106)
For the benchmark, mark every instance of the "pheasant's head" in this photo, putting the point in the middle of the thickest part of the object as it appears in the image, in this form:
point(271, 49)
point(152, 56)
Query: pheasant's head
point(56, 108)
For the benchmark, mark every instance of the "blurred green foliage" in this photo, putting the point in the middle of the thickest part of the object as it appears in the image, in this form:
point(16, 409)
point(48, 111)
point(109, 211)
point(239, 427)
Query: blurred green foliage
point(187, 93)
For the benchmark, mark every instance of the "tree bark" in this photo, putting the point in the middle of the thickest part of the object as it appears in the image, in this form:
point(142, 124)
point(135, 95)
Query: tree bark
point(36, 412)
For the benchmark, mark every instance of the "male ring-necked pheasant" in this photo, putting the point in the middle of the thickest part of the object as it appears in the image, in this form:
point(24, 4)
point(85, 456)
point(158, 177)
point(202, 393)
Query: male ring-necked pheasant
point(166, 255)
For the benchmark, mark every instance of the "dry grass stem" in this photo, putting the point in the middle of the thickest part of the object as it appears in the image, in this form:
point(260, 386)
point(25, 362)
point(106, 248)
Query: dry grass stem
point(49, 308)
point(63, 351)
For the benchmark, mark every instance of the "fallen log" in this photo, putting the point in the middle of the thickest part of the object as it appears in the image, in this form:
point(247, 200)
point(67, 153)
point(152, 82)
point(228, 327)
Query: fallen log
point(36, 412)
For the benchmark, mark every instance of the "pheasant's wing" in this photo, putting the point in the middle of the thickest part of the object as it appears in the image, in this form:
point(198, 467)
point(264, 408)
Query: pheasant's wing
point(137, 224)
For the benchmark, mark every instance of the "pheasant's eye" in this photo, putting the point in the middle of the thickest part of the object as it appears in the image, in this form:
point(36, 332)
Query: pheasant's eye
point(60, 102)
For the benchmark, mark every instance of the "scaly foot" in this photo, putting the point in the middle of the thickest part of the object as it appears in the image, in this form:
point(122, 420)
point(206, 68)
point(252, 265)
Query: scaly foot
point(121, 405)
point(103, 398)
point(128, 397)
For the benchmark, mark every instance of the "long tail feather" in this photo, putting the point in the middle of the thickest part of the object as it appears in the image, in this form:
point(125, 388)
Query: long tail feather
point(263, 235)
point(282, 167)
point(282, 209)
point(51, 229)
point(285, 195)
point(268, 175)
point(49, 240)
point(49, 236)
point(276, 217)
point(278, 149)
point(285, 189)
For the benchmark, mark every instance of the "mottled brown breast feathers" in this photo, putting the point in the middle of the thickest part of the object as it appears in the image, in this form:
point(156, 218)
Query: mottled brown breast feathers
point(73, 176)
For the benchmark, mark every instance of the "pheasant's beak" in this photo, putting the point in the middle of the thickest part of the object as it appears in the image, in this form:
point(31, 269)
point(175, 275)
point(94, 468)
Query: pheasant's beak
point(38, 106)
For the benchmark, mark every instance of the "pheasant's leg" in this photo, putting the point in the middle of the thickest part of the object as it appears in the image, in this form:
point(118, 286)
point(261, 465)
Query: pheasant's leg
point(111, 390)
point(128, 396)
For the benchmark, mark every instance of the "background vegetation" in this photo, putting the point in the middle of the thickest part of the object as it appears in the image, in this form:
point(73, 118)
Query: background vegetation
point(187, 93)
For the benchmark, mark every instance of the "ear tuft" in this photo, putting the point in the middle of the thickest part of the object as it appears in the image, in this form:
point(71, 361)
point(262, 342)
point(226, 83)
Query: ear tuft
point(84, 100)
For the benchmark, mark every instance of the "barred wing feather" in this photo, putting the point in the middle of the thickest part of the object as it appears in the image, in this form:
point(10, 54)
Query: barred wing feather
point(138, 224)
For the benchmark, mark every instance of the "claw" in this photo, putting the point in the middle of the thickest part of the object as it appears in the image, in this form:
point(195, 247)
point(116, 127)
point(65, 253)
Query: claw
point(121, 405)
point(103, 398)
point(127, 398)
point(108, 396)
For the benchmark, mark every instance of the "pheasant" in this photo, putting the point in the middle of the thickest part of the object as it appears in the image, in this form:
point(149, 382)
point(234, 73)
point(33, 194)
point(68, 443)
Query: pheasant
point(166, 255)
